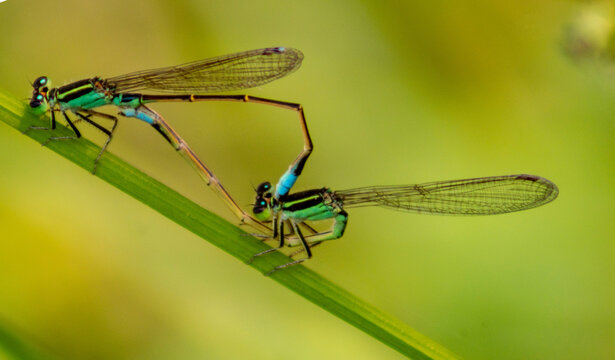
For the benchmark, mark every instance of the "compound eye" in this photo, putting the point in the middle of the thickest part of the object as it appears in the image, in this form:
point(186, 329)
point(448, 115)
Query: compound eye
point(263, 188)
point(259, 207)
point(37, 100)
point(260, 204)
point(38, 103)
point(41, 82)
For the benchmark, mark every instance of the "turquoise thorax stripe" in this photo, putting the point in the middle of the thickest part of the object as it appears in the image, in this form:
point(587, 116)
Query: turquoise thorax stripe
point(82, 95)
point(313, 213)
point(89, 94)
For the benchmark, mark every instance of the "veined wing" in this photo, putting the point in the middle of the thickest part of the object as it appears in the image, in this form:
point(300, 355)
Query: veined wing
point(224, 73)
point(480, 196)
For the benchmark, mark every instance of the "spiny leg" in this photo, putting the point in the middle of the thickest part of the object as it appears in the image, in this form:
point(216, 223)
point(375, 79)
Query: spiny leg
point(72, 126)
point(312, 245)
point(293, 235)
point(70, 123)
point(107, 132)
point(53, 124)
point(306, 226)
point(276, 224)
point(306, 248)
point(337, 230)
point(265, 237)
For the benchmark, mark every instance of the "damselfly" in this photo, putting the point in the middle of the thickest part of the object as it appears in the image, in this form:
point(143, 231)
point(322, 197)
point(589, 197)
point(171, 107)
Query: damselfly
point(130, 94)
point(480, 196)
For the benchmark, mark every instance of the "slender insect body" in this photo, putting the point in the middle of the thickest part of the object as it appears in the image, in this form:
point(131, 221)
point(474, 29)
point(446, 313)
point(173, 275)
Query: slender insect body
point(190, 82)
point(478, 196)
point(200, 80)
point(320, 206)
point(298, 208)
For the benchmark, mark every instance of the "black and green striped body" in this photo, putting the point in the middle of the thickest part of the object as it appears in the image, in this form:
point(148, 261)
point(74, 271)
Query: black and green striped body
point(82, 94)
point(310, 205)
point(92, 93)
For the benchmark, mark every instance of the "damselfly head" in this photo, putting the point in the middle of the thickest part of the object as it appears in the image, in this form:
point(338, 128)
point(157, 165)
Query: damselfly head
point(262, 208)
point(39, 100)
point(262, 205)
point(39, 103)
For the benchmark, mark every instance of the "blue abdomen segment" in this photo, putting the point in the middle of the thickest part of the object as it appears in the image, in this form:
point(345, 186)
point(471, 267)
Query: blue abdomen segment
point(289, 178)
point(285, 183)
point(131, 107)
point(130, 112)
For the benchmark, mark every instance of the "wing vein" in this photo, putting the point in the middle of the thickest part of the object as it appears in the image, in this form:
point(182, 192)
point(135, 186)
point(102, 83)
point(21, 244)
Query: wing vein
point(479, 196)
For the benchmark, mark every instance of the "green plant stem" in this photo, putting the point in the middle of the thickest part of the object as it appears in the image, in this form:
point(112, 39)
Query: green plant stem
point(17, 344)
point(226, 236)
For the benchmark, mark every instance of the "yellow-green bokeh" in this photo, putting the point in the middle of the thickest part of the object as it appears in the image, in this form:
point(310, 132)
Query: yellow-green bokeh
point(394, 92)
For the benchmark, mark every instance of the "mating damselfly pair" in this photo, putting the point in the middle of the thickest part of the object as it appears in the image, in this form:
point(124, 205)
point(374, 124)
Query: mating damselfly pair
point(200, 80)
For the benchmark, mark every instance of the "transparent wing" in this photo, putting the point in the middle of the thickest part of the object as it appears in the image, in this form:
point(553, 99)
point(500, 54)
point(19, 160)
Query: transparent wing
point(480, 196)
point(224, 73)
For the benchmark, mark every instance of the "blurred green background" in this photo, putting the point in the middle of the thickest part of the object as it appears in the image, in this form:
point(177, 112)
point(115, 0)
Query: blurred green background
point(394, 92)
